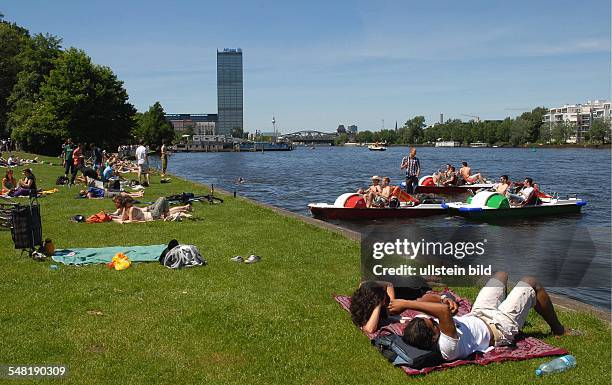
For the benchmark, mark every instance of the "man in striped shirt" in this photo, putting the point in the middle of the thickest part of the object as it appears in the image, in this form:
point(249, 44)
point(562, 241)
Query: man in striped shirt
point(413, 169)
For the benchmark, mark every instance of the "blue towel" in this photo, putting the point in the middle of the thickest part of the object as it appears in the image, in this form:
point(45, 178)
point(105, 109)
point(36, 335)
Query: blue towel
point(88, 256)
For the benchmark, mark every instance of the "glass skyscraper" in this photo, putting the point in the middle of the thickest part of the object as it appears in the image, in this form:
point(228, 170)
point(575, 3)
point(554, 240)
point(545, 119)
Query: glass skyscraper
point(229, 90)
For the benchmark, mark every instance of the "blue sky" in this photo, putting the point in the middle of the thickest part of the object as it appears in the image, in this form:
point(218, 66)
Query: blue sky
point(317, 64)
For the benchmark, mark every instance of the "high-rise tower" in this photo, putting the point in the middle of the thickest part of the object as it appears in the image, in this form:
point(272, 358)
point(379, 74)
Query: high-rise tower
point(229, 90)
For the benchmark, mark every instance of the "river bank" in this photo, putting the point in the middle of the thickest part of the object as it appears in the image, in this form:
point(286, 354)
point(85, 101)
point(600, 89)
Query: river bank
point(270, 322)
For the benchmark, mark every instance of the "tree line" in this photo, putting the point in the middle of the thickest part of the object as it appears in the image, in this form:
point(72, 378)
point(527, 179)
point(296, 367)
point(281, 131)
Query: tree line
point(49, 94)
point(525, 129)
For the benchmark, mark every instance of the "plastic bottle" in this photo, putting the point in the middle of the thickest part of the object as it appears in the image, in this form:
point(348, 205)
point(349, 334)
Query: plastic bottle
point(54, 267)
point(557, 365)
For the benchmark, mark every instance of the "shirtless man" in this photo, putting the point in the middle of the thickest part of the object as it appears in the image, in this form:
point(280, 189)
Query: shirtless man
point(466, 172)
point(374, 190)
point(502, 186)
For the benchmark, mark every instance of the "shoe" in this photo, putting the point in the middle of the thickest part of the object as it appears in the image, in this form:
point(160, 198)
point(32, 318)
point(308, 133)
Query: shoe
point(237, 258)
point(253, 259)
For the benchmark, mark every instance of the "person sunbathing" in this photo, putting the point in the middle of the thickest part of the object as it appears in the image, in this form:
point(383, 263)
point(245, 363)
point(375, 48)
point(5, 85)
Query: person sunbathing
point(502, 186)
point(525, 195)
point(371, 192)
point(25, 186)
point(99, 193)
point(9, 183)
point(451, 177)
point(466, 173)
point(495, 320)
point(158, 210)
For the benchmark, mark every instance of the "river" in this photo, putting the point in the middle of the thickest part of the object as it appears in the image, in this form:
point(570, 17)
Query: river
point(293, 179)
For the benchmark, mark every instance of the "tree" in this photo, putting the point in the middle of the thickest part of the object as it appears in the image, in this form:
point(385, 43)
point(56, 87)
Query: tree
point(341, 139)
point(600, 130)
point(36, 61)
point(153, 127)
point(14, 39)
point(519, 131)
point(533, 122)
point(80, 100)
point(560, 132)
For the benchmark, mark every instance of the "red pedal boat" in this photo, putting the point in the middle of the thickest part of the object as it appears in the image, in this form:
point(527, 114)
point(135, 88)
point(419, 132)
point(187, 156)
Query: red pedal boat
point(352, 206)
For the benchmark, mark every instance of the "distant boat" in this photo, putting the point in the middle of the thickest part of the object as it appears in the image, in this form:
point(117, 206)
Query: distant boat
point(479, 144)
point(377, 147)
point(448, 143)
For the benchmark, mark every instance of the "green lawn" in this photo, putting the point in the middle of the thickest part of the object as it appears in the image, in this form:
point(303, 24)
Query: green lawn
point(271, 322)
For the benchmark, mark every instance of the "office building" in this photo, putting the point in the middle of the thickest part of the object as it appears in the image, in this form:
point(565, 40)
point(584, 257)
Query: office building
point(195, 124)
point(229, 91)
point(580, 116)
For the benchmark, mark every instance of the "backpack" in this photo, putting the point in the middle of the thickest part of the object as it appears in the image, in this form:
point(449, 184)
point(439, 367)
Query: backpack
point(182, 256)
point(27, 228)
point(399, 353)
point(61, 180)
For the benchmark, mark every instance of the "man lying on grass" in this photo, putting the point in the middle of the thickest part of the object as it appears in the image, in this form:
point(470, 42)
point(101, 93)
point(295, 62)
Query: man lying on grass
point(494, 320)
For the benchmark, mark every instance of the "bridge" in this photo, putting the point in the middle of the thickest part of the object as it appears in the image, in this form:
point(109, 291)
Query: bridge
point(310, 137)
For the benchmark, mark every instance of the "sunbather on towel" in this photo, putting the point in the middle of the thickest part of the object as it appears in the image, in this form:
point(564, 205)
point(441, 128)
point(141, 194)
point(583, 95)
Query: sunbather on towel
point(99, 193)
point(158, 210)
point(495, 319)
point(370, 301)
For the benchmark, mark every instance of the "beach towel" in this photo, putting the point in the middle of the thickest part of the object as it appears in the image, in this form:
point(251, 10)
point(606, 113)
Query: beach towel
point(523, 349)
point(88, 256)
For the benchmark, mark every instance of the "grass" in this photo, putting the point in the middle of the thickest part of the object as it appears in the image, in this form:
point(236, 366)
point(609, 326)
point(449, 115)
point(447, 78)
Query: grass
point(273, 322)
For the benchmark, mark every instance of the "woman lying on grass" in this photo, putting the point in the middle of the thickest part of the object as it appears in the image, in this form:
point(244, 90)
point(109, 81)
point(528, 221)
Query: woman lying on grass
point(99, 193)
point(128, 213)
point(370, 301)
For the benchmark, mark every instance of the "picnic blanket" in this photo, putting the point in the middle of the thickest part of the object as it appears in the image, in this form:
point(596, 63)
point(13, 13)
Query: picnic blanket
point(523, 349)
point(88, 256)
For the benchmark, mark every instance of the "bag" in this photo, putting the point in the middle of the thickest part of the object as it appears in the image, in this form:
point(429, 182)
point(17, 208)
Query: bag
point(113, 184)
point(182, 198)
point(399, 353)
point(182, 256)
point(119, 262)
point(61, 180)
point(27, 227)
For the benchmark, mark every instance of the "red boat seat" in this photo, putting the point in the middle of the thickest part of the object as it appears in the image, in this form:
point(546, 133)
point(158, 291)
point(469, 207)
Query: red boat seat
point(428, 181)
point(355, 201)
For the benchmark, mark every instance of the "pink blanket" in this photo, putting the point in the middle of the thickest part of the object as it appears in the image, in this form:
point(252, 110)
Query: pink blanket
point(524, 349)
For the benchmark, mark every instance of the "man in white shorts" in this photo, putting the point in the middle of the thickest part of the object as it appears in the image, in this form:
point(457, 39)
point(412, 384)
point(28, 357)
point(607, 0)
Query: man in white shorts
point(142, 159)
point(495, 319)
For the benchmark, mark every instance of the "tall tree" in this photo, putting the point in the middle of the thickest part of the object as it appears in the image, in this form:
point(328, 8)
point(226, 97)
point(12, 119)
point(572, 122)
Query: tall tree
point(36, 59)
point(80, 100)
point(153, 127)
point(13, 40)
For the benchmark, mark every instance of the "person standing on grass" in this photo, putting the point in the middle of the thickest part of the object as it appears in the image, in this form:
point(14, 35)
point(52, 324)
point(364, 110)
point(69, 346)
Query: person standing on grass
point(412, 166)
point(142, 159)
point(97, 157)
point(67, 161)
point(78, 161)
point(164, 158)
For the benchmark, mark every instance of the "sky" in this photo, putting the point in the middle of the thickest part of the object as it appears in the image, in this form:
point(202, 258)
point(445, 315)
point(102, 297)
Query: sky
point(317, 64)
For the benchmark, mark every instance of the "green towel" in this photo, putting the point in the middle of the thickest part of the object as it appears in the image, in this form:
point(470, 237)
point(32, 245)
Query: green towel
point(88, 256)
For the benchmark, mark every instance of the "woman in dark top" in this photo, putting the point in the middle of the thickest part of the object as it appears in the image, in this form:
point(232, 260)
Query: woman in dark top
point(26, 186)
